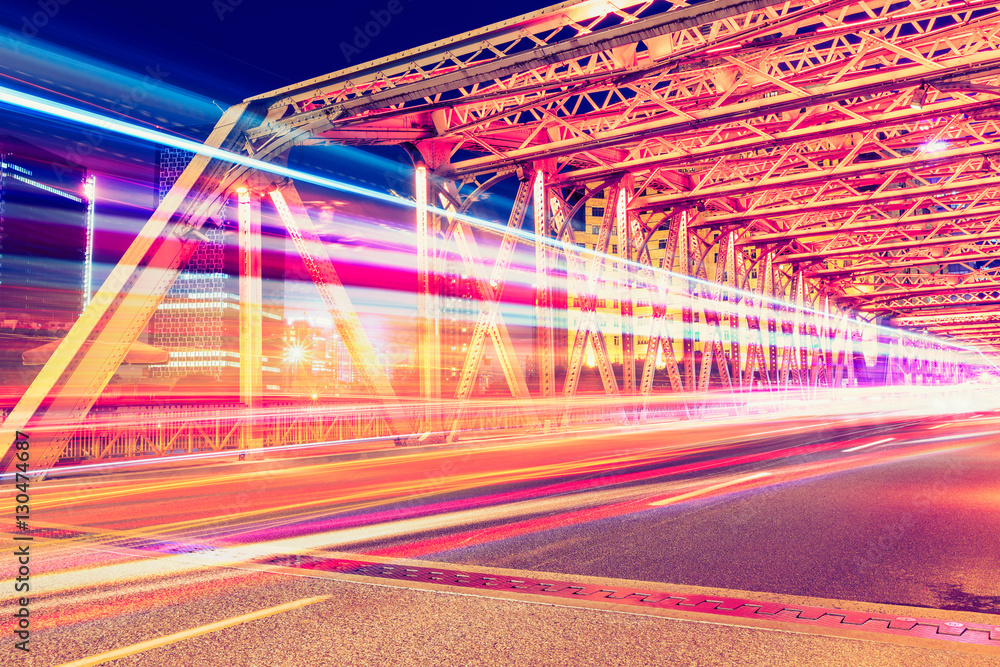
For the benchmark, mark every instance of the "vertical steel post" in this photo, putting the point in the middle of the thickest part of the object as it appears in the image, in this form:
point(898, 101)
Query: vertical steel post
point(625, 294)
point(687, 314)
point(772, 322)
point(543, 293)
point(801, 332)
point(732, 278)
point(251, 315)
point(90, 192)
point(428, 341)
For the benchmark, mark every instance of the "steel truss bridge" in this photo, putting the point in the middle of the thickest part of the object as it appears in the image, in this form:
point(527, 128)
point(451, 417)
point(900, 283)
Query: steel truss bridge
point(814, 167)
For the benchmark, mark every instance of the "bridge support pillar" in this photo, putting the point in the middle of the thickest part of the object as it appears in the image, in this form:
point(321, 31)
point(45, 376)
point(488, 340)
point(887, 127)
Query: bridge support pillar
point(545, 342)
point(251, 316)
point(428, 321)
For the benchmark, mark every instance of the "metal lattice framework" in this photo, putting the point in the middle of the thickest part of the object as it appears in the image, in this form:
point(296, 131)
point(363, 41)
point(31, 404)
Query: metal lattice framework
point(837, 154)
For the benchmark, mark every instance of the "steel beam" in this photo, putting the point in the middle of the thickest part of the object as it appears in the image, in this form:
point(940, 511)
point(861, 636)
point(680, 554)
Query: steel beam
point(86, 359)
point(625, 289)
point(544, 329)
point(251, 315)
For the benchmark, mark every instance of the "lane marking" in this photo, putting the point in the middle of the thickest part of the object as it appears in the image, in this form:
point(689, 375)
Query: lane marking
point(194, 632)
point(707, 489)
point(870, 444)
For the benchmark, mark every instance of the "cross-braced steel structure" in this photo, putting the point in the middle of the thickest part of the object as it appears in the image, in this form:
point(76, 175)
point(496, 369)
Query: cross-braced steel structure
point(839, 156)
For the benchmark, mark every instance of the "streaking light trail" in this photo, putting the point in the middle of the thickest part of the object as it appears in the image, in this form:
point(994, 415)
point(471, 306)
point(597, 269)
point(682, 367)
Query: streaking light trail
point(63, 112)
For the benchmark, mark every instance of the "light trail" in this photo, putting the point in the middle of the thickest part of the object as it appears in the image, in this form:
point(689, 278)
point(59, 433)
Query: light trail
point(193, 632)
point(709, 489)
point(64, 112)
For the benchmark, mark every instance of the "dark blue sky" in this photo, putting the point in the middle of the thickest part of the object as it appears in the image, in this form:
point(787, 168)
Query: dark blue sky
point(205, 54)
point(230, 49)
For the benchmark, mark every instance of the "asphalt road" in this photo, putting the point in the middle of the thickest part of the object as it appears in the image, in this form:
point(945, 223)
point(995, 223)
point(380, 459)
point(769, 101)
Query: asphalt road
point(919, 529)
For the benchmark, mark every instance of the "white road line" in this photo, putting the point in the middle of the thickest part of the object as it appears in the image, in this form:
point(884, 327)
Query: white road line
point(870, 444)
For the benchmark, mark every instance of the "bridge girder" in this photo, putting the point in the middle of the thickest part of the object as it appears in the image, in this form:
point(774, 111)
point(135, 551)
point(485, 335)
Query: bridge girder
point(787, 137)
point(800, 126)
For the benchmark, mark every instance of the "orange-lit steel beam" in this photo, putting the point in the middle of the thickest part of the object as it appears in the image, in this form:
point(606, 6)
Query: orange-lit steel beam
point(960, 302)
point(625, 289)
point(770, 140)
point(909, 164)
point(988, 315)
point(917, 291)
point(388, 82)
point(827, 205)
point(544, 334)
point(91, 352)
point(251, 313)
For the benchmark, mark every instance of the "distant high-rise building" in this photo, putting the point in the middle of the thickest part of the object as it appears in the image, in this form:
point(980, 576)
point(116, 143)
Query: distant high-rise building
point(43, 236)
point(189, 322)
point(198, 320)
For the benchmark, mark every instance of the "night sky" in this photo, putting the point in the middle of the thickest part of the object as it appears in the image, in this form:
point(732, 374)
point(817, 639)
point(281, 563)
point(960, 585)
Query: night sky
point(174, 66)
point(231, 49)
point(203, 55)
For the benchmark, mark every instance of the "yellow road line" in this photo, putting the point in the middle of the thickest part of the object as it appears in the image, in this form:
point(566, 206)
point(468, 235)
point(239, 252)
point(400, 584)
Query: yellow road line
point(187, 634)
point(707, 489)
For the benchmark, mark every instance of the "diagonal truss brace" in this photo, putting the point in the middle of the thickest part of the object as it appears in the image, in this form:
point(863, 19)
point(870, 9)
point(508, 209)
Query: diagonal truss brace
point(658, 331)
point(587, 329)
point(86, 359)
point(489, 310)
point(293, 214)
point(497, 328)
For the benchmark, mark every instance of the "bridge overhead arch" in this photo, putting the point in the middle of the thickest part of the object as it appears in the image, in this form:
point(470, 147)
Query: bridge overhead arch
point(838, 154)
point(854, 140)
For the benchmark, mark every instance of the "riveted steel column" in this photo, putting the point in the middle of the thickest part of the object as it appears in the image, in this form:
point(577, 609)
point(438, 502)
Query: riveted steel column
point(625, 293)
point(544, 336)
point(428, 324)
point(251, 315)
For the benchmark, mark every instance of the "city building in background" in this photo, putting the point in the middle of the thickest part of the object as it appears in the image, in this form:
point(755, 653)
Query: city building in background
point(315, 361)
point(43, 238)
point(198, 320)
